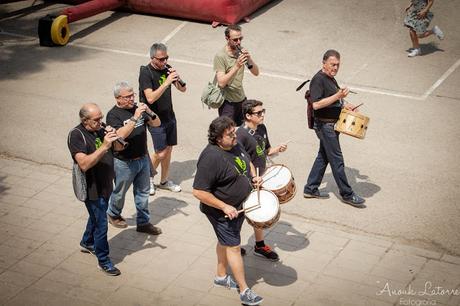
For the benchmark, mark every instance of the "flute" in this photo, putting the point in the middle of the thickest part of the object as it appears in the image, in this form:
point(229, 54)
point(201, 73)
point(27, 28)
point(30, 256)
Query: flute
point(120, 140)
point(238, 54)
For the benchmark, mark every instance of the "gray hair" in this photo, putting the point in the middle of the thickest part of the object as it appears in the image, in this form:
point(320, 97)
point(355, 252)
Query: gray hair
point(331, 53)
point(157, 47)
point(120, 86)
point(86, 109)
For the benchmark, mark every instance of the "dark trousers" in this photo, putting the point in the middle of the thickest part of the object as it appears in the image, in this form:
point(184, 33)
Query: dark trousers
point(96, 229)
point(232, 110)
point(329, 153)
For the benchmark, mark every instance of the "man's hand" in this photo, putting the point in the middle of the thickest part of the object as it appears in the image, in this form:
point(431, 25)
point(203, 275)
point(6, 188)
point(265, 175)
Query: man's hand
point(141, 107)
point(172, 77)
point(109, 138)
point(343, 92)
point(230, 211)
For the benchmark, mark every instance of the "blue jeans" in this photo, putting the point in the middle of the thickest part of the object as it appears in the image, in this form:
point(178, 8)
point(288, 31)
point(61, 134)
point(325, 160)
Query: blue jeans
point(136, 172)
point(96, 229)
point(329, 153)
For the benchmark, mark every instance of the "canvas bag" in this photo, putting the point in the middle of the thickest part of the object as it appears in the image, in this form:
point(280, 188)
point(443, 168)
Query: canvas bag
point(79, 177)
point(212, 95)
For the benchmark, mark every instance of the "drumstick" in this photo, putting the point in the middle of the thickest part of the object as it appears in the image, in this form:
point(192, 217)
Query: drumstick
point(353, 92)
point(248, 209)
point(258, 187)
point(356, 106)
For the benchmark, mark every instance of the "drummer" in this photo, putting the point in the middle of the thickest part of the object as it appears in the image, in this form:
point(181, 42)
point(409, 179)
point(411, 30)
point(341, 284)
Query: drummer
point(253, 136)
point(327, 102)
point(223, 180)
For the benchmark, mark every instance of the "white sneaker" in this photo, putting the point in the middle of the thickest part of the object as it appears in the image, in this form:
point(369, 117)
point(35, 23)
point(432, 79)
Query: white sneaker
point(437, 31)
point(414, 52)
point(169, 185)
point(152, 187)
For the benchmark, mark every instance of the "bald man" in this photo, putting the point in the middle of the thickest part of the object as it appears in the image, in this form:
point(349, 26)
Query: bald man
point(91, 148)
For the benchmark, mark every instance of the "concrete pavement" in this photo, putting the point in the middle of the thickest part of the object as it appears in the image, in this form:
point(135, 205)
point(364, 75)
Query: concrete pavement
point(41, 224)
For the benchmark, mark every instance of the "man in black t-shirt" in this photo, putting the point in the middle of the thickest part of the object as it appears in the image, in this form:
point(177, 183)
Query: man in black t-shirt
point(222, 183)
point(132, 165)
point(253, 136)
point(90, 147)
point(155, 81)
point(327, 102)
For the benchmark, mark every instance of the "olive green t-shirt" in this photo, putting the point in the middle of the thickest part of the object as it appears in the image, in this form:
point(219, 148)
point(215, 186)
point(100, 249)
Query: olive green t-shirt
point(234, 91)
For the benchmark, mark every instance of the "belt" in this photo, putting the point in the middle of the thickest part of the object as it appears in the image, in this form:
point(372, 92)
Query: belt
point(327, 120)
point(130, 159)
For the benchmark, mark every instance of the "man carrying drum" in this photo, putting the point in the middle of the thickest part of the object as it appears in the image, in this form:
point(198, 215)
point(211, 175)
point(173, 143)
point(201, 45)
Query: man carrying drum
point(253, 136)
point(327, 102)
point(223, 180)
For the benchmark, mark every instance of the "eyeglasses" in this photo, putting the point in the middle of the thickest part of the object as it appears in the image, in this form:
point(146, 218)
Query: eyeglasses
point(128, 97)
point(162, 59)
point(236, 39)
point(259, 113)
point(231, 134)
point(98, 119)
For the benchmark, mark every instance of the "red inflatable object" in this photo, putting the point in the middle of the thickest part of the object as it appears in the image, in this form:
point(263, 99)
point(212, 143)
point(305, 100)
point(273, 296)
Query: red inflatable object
point(54, 30)
point(221, 11)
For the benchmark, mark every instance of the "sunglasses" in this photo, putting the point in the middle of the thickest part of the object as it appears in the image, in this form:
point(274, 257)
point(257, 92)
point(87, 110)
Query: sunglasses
point(162, 59)
point(237, 39)
point(259, 113)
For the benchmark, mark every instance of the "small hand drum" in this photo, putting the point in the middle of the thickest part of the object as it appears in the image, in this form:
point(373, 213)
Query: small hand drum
point(352, 123)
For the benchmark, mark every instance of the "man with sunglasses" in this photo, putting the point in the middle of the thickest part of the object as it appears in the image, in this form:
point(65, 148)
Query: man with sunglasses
point(91, 148)
point(132, 165)
point(155, 80)
point(229, 66)
point(327, 102)
point(253, 136)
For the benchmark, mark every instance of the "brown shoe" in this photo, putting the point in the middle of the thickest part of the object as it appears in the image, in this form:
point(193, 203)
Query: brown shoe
point(118, 222)
point(148, 228)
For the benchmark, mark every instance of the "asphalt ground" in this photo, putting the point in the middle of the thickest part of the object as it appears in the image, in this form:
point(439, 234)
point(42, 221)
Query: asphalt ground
point(407, 166)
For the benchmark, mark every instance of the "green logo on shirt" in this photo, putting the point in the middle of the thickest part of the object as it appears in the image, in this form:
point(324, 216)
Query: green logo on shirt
point(98, 143)
point(162, 79)
point(240, 165)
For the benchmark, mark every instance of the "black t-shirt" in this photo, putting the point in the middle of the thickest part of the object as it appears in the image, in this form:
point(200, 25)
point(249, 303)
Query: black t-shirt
point(118, 117)
point(149, 77)
point(225, 174)
point(322, 86)
point(99, 178)
point(256, 143)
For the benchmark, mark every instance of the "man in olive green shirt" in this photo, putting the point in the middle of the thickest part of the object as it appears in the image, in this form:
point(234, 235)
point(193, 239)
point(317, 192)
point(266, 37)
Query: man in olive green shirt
point(229, 66)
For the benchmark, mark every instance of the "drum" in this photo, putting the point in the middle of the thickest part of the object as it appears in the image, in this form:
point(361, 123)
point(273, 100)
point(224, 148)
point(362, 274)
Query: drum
point(268, 213)
point(352, 123)
point(279, 179)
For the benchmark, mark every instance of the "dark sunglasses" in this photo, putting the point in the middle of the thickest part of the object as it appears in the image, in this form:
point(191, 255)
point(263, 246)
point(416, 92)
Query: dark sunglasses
point(259, 113)
point(237, 39)
point(162, 59)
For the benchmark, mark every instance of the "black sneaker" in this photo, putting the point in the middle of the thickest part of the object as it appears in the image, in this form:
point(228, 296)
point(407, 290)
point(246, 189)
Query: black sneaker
point(149, 228)
point(109, 269)
point(87, 249)
point(266, 252)
point(355, 201)
point(316, 195)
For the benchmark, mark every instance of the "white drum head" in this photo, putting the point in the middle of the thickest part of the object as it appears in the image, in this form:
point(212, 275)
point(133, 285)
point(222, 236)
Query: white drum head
point(276, 177)
point(269, 206)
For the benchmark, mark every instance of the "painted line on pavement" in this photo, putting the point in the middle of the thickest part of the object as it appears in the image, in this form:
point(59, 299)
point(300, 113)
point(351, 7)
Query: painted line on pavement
point(267, 74)
point(441, 79)
point(174, 32)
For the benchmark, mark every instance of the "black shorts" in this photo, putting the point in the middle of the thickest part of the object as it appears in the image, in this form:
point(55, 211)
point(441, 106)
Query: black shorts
point(232, 110)
point(164, 135)
point(227, 231)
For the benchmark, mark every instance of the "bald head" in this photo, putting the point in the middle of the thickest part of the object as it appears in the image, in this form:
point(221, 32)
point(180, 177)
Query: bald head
point(87, 110)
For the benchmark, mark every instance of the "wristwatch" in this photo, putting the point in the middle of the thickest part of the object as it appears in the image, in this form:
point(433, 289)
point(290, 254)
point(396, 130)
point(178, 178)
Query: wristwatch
point(133, 119)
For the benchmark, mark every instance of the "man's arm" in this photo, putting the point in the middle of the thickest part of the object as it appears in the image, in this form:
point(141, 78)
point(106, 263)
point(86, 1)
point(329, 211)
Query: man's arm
point(223, 79)
point(209, 199)
point(153, 95)
point(87, 161)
